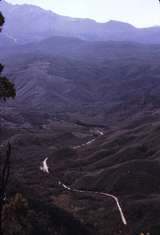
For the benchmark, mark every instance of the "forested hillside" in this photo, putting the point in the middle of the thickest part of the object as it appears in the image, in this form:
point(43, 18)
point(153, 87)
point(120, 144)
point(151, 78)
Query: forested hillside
point(83, 128)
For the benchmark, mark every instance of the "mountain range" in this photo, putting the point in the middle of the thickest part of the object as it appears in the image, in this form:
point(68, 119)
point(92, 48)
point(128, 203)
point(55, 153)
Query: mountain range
point(75, 79)
point(35, 24)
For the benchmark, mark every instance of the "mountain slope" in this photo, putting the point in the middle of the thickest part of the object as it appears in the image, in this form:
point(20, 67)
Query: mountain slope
point(63, 102)
point(69, 91)
point(64, 75)
point(74, 48)
point(34, 24)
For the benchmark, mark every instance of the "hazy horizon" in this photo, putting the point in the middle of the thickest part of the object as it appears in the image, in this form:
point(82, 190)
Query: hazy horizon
point(140, 13)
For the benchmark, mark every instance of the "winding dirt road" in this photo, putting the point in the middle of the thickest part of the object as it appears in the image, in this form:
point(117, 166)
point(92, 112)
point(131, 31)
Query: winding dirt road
point(99, 193)
point(44, 167)
point(99, 132)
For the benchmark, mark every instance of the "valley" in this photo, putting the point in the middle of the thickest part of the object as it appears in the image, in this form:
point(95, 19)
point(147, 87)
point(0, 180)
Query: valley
point(97, 136)
point(84, 127)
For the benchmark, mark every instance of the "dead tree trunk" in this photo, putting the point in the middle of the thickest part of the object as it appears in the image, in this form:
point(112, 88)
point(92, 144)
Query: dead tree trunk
point(4, 178)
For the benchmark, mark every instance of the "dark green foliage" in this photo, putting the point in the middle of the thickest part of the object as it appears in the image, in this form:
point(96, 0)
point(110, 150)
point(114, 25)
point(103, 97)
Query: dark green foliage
point(23, 216)
point(15, 216)
point(1, 67)
point(7, 88)
point(1, 20)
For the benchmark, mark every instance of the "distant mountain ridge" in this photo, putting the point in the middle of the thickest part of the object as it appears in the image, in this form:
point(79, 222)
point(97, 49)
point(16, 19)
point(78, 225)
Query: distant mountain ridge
point(28, 23)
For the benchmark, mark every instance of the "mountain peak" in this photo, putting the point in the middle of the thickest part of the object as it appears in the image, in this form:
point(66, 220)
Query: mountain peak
point(114, 24)
point(5, 4)
point(28, 23)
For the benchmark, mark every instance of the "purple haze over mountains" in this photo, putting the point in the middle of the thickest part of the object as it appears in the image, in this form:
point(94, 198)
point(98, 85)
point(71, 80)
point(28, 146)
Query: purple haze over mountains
point(28, 23)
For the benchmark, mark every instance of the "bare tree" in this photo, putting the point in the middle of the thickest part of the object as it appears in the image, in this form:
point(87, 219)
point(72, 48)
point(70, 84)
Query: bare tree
point(4, 179)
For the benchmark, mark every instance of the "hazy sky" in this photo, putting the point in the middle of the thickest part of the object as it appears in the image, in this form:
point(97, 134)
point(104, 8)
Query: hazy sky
point(141, 13)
